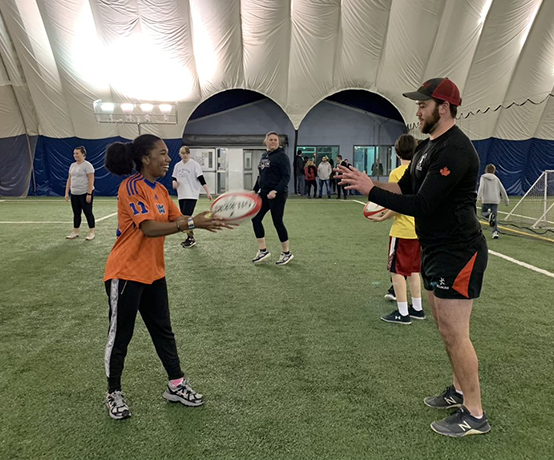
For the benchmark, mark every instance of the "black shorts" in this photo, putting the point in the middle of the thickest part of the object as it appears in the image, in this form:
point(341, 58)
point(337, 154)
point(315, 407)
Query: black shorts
point(455, 272)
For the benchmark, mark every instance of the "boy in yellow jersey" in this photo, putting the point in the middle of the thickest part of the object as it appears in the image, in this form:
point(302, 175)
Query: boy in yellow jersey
point(404, 251)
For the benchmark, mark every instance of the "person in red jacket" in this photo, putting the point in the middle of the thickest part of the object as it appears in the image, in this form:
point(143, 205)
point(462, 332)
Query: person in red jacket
point(310, 171)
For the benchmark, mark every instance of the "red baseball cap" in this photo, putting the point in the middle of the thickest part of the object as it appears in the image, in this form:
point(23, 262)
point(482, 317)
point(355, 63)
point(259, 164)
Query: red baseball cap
point(437, 88)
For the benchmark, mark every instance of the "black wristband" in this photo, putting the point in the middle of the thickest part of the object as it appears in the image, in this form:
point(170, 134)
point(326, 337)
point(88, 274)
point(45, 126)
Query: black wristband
point(89, 194)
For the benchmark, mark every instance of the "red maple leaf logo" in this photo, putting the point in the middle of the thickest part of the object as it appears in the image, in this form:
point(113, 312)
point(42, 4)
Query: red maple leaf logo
point(445, 171)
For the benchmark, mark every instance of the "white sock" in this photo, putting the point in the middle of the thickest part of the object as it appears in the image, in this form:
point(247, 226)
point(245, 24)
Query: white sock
point(403, 308)
point(416, 303)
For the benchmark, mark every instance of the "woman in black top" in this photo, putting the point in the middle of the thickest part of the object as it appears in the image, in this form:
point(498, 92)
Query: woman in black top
point(272, 185)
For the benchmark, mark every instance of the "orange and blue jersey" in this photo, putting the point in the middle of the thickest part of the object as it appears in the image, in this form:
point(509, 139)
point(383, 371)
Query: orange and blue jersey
point(135, 257)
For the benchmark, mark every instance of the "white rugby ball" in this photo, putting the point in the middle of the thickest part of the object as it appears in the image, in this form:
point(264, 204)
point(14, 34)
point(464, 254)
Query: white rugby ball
point(236, 206)
point(370, 209)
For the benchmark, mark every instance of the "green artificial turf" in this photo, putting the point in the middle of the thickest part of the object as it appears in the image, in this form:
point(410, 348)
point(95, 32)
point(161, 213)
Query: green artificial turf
point(294, 361)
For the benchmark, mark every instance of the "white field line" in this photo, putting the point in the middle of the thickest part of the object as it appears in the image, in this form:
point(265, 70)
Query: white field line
point(55, 221)
point(29, 222)
point(522, 264)
point(106, 217)
point(509, 259)
point(53, 200)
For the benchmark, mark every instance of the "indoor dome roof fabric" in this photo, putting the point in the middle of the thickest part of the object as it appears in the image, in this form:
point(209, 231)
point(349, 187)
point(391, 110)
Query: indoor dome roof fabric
point(59, 56)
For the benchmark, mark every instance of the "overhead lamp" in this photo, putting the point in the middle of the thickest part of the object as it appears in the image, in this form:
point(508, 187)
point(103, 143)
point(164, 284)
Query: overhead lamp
point(136, 113)
point(107, 107)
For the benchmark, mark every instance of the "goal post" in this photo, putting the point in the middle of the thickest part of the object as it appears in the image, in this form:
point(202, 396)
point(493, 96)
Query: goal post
point(535, 209)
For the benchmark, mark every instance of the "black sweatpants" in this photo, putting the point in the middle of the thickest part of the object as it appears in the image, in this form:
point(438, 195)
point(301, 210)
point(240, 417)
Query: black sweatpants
point(187, 205)
point(126, 298)
point(79, 204)
point(277, 208)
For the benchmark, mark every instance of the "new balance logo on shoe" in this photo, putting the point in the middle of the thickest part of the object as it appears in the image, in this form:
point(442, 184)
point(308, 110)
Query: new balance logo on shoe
point(464, 426)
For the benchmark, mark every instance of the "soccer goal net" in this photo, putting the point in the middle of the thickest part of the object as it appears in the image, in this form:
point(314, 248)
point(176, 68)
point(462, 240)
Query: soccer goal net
point(535, 210)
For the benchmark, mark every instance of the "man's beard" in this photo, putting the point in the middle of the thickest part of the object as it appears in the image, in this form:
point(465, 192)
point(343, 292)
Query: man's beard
point(430, 124)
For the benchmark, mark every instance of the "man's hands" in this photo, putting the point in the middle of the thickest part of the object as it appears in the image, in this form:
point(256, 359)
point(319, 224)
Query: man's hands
point(353, 179)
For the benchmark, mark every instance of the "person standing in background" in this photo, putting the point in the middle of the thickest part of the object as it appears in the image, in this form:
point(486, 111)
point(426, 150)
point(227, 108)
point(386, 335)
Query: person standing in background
point(187, 179)
point(299, 173)
point(310, 172)
point(490, 192)
point(324, 171)
point(404, 250)
point(80, 182)
point(332, 177)
point(272, 185)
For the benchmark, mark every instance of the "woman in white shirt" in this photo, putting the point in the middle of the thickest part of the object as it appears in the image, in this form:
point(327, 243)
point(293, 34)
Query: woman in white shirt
point(187, 179)
point(80, 182)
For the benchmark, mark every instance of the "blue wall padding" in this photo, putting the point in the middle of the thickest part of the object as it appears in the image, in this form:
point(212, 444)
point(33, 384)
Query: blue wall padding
point(54, 156)
point(518, 163)
point(15, 164)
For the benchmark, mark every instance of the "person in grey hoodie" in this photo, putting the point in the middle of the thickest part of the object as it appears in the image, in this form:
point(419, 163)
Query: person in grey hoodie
point(490, 192)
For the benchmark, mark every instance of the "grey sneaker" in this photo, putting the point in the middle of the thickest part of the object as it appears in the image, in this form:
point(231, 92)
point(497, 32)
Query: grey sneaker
point(396, 317)
point(495, 235)
point(416, 314)
point(261, 255)
point(447, 400)
point(117, 407)
point(183, 394)
point(461, 423)
point(285, 258)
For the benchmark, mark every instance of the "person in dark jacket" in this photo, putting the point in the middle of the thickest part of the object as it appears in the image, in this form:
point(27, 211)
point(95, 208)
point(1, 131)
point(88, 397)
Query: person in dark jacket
point(299, 173)
point(439, 191)
point(272, 185)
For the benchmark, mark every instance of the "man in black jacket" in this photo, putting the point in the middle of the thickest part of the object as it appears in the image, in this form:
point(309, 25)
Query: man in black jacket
point(300, 180)
point(439, 191)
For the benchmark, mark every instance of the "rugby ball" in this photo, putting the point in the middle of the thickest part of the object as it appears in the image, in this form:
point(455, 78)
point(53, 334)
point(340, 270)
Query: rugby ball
point(236, 206)
point(371, 209)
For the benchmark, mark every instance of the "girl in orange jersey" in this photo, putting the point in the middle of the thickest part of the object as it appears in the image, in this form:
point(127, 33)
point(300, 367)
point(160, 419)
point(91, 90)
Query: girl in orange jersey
point(135, 270)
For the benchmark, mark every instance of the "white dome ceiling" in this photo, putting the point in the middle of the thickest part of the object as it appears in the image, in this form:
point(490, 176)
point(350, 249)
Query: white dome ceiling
point(60, 55)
